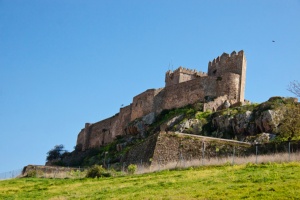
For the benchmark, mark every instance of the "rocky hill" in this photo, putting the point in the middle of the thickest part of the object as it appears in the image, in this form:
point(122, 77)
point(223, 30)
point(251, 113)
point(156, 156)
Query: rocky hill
point(240, 123)
point(247, 123)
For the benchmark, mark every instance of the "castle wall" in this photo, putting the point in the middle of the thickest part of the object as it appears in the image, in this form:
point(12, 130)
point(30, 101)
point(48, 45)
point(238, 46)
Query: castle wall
point(243, 80)
point(101, 132)
point(98, 134)
point(225, 79)
point(124, 118)
point(189, 92)
point(81, 139)
point(143, 103)
point(179, 95)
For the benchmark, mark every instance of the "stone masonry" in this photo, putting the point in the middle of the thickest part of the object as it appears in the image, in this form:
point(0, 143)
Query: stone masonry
point(225, 81)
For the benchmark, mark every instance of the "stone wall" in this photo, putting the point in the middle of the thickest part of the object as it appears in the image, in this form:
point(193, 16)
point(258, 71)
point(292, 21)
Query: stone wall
point(225, 78)
point(104, 132)
point(143, 152)
point(125, 118)
point(100, 133)
point(169, 147)
point(142, 104)
point(176, 96)
point(41, 171)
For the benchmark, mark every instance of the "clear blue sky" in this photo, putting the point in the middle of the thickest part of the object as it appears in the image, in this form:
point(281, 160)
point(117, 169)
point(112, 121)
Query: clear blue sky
point(67, 62)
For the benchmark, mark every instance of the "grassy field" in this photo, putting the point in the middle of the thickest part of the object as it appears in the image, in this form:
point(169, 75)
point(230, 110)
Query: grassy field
point(263, 181)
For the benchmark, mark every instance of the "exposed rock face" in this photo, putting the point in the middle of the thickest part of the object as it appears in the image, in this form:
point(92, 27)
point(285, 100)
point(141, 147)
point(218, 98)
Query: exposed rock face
point(191, 125)
point(171, 123)
point(149, 119)
point(140, 126)
point(229, 123)
point(249, 123)
point(269, 120)
point(238, 124)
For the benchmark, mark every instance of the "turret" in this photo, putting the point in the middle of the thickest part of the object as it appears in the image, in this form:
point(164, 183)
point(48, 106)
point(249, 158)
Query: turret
point(233, 63)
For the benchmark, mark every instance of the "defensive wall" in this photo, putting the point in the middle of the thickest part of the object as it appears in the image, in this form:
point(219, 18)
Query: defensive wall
point(225, 80)
point(168, 147)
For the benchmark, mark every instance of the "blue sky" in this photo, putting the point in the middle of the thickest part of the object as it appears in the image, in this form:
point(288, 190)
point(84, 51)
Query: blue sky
point(67, 62)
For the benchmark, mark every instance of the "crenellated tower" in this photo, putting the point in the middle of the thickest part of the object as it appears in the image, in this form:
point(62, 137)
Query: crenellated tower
point(233, 63)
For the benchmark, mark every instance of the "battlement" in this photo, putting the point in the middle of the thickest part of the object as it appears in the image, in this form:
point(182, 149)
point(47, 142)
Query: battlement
point(221, 59)
point(186, 71)
point(182, 74)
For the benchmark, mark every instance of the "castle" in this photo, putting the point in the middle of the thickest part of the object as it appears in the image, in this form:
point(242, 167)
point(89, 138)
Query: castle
point(224, 82)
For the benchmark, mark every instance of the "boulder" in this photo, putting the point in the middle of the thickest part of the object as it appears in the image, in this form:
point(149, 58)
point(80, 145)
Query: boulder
point(269, 120)
point(171, 123)
point(190, 126)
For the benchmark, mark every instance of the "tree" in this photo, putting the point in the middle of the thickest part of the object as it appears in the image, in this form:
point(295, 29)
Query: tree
point(290, 125)
point(294, 87)
point(56, 152)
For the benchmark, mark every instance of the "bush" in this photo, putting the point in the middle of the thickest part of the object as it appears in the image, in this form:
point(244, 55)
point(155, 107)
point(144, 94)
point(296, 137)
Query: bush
point(31, 174)
point(132, 168)
point(97, 171)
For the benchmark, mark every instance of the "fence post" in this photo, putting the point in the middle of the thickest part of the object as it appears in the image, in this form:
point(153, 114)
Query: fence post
point(289, 149)
point(233, 155)
point(158, 163)
point(79, 173)
point(182, 164)
point(124, 166)
point(203, 147)
point(256, 151)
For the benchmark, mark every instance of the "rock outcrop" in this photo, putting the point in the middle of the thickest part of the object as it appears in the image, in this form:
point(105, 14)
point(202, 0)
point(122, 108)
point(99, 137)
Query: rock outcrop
point(231, 123)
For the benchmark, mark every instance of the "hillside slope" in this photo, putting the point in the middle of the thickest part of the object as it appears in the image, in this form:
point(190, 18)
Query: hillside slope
point(248, 123)
point(266, 181)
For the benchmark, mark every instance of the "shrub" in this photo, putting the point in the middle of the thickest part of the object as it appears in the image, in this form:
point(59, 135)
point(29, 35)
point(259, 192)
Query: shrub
point(75, 173)
point(132, 168)
point(32, 174)
point(97, 171)
point(203, 115)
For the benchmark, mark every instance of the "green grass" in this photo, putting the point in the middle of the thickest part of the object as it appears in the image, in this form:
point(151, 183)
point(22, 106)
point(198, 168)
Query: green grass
point(264, 181)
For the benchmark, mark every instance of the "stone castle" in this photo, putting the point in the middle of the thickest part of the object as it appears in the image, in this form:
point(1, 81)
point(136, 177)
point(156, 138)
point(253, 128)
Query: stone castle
point(224, 82)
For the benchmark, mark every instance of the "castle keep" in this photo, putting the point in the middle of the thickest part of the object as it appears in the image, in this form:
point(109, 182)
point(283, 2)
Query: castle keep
point(224, 81)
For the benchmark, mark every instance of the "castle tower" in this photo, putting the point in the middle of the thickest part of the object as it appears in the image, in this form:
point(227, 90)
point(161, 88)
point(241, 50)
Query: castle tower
point(233, 63)
point(181, 75)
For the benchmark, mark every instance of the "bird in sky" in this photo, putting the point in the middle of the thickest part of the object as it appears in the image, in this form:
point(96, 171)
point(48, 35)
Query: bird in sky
point(273, 40)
